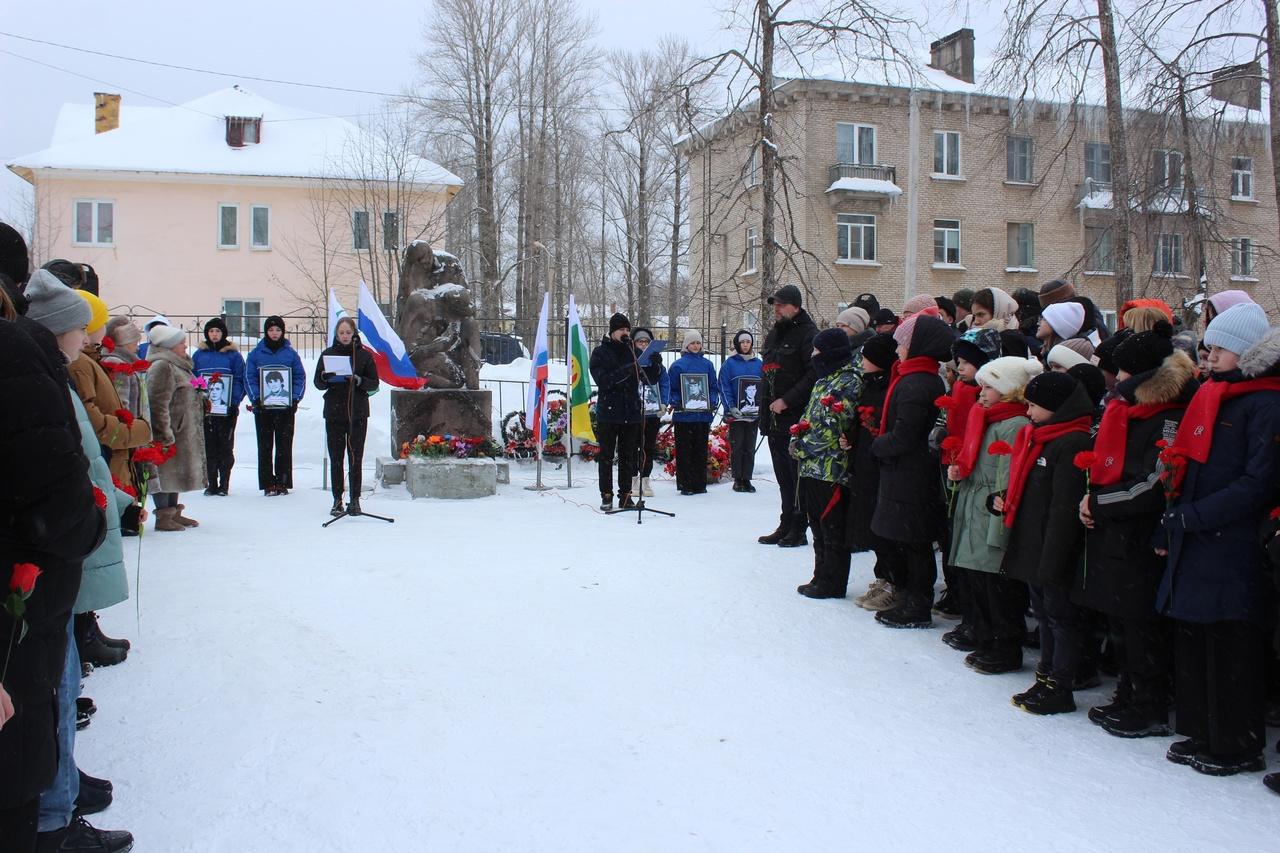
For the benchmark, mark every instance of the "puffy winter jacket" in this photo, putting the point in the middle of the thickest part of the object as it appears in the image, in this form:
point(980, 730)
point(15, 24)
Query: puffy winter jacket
point(978, 536)
point(104, 581)
point(280, 356)
point(613, 367)
point(788, 376)
point(735, 366)
point(818, 447)
point(226, 359)
point(688, 364)
point(346, 399)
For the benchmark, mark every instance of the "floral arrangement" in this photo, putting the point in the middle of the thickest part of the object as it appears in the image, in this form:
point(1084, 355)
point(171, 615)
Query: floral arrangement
point(449, 447)
point(518, 440)
point(717, 454)
point(1173, 467)
point(139, 366)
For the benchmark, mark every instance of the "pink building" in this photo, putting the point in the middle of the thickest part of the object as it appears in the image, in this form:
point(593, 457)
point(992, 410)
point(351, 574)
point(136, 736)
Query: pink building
point(231, 204)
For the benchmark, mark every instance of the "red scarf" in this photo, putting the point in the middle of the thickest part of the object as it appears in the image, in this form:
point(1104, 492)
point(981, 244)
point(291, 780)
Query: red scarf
point(1195, 432)
point(1113, 437)
point(975, 431)
point(964, 397)
point(1026, 450)
point(919, 364)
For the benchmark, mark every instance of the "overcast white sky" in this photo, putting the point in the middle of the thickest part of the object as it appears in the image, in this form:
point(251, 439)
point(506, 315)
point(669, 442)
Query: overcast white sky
point(371, 46)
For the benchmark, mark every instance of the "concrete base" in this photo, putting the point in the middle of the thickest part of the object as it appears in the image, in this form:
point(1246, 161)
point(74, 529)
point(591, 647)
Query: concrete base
point(452, 479)
point(390, 472)
point(445, 412)
point(504, 471)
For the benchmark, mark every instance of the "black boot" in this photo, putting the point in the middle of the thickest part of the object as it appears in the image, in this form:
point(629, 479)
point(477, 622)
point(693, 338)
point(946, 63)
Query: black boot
point(1185, 751)
point(109, 641)
point(784, 527)
point(92, 650)
point(994, 661)
point(84, 705)
point(959, 638)
point(814, 590)
point(1136, 721)
point(1272, 781)
point(1053, 698)
point(795, 537)
point(1120, 700)
point(80, 836)
point(911, 614)
point(338, 509)
point(1228, 765)
point(1019, 698)
point(353, 506)
point(625, 501)
point(93, 798)
point(606, 501)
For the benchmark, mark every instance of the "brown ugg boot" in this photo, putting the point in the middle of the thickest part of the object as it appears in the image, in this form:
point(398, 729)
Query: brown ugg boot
point(167, 519)
point(182, 519)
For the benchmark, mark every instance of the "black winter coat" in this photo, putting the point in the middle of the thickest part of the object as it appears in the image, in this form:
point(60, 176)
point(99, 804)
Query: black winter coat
point(346, 399)
point(788, 349)
point(47, 517)
point(864, 484)
point(1123, 571)
point(613, 367)
point(1046, 543)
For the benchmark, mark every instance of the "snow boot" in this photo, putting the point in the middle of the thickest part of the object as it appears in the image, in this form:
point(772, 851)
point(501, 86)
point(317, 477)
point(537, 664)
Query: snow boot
point(909, 614)
point(794, 539)
point(1134, 722)
point(166, 520)
point(993, 662)
point(1053, 698)
point(606, 501)
point(88, 623)
point(91, 648)
point(182, 519)
point(92, 798)
point(645, 489)
point(1018, 698)
point(784, 527)
point(1272, 781)
point(1120, 700)
point(84, 705)
point(353, 506)
point(813, 590)
point(1185, 751)
point(947, 606)
point(337, 509)
point(874, 586)
point(747, 487)
point(80, 836)
point(625, 501)
point(960, 638)
point(210, 492)
point(1228, 765)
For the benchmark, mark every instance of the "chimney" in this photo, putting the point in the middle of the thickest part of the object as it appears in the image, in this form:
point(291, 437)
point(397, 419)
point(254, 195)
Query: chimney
point(106, 112)
point(953, 55)
point(1240, 85)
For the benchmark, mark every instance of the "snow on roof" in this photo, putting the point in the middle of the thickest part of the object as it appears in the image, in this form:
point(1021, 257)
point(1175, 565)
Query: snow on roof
point(76, 121)
point(866, 185)
point(1096, 200)
point(191, 139)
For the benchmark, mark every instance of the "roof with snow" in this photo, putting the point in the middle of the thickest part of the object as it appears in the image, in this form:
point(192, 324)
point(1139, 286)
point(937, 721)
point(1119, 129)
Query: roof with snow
point(190, 139)
point(866, 185)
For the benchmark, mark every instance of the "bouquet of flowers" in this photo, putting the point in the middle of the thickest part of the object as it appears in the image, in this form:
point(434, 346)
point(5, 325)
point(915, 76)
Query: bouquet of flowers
point(449, 447)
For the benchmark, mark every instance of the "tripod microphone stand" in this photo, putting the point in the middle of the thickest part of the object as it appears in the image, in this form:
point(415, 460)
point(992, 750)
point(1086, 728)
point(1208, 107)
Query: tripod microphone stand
point(640, 508)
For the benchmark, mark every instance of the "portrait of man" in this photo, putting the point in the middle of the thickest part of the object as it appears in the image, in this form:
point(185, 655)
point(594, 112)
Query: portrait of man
point(276, 393)
point(219, 393)
point(694, 393)
point(749, 395)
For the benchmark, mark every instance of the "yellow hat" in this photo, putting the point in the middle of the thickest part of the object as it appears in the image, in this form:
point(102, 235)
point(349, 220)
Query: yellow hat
point(99, 308)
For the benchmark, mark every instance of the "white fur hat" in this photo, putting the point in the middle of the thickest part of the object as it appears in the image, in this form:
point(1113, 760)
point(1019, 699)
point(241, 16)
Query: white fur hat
point(1009, 373)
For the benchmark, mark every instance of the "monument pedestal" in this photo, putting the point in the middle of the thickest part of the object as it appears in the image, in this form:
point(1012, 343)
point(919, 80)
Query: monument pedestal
point(452, 479)
point(460, 412)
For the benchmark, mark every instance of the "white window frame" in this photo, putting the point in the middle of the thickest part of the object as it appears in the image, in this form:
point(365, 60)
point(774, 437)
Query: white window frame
point(1164, 181)
point(949, 170)
point(1091, 246)
point(1241, 176)
point(1098, 147)
point(948, 228)
point(1009, 156)
point(1170, 244)
point(243, 315)
point(858, 128)
point(860, 225)
point(1244, 259)
point(368, 236)
point(751, 251)
point(253, 245)
point(752, 177)
point(95, 221)
point(228, 205)
point(1021, 263)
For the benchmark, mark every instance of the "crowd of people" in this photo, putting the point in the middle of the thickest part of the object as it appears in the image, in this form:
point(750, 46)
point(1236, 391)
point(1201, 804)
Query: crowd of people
point(101, 415)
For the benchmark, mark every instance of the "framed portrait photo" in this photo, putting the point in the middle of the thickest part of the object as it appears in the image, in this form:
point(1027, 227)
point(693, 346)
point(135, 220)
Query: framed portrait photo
point(275, 385)
point(650, 399)
point(748, 394)
point(220, 384)
point(695, 392)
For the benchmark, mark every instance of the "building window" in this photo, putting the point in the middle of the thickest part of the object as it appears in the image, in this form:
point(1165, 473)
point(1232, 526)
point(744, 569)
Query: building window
point(244, 130)
point(1022, 246)
point(228, 226)
point(1242, 177)
point(390, 231)
point(752, 175)
point(95, 223)
point(260, 226)
point(855, 237)
point(360, 230)
point(1242, 256)
point(243, 316)
point(750, 256)
point(946, 153)
point(856, 143)
point(946, 241)
point(1168, 260)
point(1097, 162)
point(1166, 171)
point(1099, 257)
point(1018, 167)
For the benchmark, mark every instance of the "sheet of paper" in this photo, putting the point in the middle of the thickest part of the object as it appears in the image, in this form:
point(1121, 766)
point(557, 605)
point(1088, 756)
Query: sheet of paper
point(339, 365)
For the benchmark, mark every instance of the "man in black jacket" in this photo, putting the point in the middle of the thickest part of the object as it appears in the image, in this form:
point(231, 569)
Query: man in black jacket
point(619, 417)
point(788, 379)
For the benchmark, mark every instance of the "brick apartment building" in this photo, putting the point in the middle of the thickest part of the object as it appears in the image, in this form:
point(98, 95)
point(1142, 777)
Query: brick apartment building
point(937, 185)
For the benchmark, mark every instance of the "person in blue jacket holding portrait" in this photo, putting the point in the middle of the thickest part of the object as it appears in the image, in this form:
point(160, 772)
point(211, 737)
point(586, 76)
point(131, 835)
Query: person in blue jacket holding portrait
point(272, 364)
point(655, 396)
point(218, 358)
point(741, 411)
point(695, 394)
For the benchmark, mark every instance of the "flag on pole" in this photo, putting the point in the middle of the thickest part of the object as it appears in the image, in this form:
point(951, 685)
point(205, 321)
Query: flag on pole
point(535, 410)
point(579, 383)
point(382, 342)
point(336, 313)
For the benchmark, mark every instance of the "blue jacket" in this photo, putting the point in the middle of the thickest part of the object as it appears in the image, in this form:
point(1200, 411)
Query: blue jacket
point(224, 360)
point(285, 357)
point(735, 366)
point(693, 363)
point(1216, 571)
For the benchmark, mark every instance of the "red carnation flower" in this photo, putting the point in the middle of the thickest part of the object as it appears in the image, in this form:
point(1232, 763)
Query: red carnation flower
point(99, 499)
point(1000, 448)
point(23, 579)
point(1275, 514)
point(140, 365)
point(1162, 444)
point(1085, 459)
point(125, 416)
point(128, 490)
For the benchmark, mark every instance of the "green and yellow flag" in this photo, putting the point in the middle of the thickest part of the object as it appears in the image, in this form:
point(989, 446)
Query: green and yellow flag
point(579, 382)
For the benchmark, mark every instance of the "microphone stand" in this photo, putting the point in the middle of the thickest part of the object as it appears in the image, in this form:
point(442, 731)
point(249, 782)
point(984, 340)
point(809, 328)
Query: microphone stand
point(640, 508)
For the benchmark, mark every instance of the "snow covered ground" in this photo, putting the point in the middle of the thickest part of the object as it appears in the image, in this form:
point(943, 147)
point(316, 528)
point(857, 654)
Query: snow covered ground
point(522, 673)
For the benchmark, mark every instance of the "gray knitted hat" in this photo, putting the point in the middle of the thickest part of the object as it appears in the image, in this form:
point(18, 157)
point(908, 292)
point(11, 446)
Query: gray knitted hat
point(54, 305)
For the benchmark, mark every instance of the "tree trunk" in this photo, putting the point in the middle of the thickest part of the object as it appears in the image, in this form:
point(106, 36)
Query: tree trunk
point(672, 300)
point(1121, 189)
point(1273, 80)
point(642, 236)
point(486, 220)
point(768, 151)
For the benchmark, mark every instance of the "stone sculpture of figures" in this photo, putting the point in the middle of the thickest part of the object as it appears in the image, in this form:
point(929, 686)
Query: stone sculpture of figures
point(437, 320)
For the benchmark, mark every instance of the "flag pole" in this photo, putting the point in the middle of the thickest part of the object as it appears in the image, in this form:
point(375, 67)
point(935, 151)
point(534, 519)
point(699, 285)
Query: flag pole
point(568, 404)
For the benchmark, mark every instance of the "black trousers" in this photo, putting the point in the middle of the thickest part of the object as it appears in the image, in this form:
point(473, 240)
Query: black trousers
point(346, 439)
point(891, 562)
point(1220, 685)
point(691, 456)
point(824, 504)
point(18, 827)
point(1062, 630)
point(786, 472)
point(219, 449)
point(1146, 660)
point(622, 441)
point(742, 449)
point(919, 572)
point(997, 607)
point(275, 447)
point(650, 445)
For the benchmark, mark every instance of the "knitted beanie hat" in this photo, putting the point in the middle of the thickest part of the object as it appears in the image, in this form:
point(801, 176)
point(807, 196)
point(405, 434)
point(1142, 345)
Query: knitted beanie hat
point(918, 303)
point(737, 339)
point(1050, 390)
point(1013, 342)
point(693, 336)
point(640, 333)
point(166, 337)
point(881, 350)
point(14, 261)
point(1056, 291)
point(905, 330)
point(1065, 357)
point(1235, 330)
point(1228, 299)
point(977, 346)
point(1009, 374)
point(1106, 351)
point(122, 331)
point(618, 321)
point(54, 305)
point(1095, 384)
point(1082, 347)
point(854, 317)
point(99, 313)
point(1065, 318)
point(1145, 351)
point(963, 298)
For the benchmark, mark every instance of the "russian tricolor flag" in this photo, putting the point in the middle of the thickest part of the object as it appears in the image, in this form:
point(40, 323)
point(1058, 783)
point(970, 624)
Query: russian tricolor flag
point(535, 418)
point(382, 342)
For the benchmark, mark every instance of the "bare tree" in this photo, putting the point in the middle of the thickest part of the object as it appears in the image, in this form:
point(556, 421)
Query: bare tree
point(314, 251)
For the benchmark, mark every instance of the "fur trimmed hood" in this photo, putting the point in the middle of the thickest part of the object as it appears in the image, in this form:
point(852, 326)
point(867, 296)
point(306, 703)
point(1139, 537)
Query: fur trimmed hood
point(229, 347)
point(1263, 357)
point(1168, 382)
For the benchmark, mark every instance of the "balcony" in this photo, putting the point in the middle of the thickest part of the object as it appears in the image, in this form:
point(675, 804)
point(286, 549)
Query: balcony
point(858, 180)
point(1094, 195)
